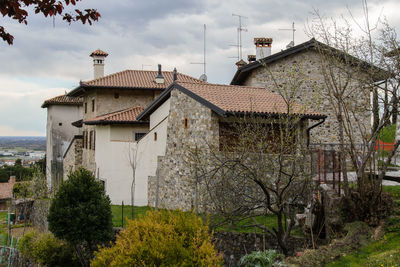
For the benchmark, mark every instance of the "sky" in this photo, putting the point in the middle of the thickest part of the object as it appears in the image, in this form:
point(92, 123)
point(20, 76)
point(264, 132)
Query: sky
point(49, 57)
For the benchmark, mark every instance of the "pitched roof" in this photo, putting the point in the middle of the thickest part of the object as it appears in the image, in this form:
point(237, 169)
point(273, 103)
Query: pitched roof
point(234, 99)
point(62, 100)
point(126, 116)
point(132, 79)
point(99, 52)
point(242, 72)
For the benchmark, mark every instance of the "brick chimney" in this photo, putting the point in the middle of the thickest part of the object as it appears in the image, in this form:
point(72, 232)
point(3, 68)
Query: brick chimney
point(98, 63)
point(251, 58)
point(263, 47)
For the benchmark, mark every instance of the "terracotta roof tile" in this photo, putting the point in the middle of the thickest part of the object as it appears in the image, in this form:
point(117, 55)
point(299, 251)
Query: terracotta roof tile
point(62, 100)
point(138, 79)
point(244, 99)
point(125, 116)
point(99, 52)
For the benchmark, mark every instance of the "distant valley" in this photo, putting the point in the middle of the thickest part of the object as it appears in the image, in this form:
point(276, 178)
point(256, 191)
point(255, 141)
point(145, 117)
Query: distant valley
point(23, 143)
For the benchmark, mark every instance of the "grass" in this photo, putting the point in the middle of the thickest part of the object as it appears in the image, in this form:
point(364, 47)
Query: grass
point(388, 134)
point(384, 252)
point(117, 214)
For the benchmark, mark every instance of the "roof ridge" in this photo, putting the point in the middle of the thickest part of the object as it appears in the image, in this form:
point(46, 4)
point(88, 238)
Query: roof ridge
point(117, 112)
point(228, 85)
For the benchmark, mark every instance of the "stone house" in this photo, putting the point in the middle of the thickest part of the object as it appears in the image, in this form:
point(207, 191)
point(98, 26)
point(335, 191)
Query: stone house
point(188, 115)
point(61, 111)
point(304, 62)
point(109, 129)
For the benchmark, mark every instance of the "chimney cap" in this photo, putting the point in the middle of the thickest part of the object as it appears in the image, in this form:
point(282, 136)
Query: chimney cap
point(258, 40)
point(251, 58)
point(99, 52)
point(241, 63)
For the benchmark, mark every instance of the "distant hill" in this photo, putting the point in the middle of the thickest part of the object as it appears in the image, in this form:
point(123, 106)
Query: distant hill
point(23, 142)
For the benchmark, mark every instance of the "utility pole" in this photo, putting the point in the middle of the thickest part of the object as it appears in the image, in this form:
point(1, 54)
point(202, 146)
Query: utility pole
point(240, 29)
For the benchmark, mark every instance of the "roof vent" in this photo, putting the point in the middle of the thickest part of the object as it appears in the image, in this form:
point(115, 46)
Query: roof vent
point(160, 78)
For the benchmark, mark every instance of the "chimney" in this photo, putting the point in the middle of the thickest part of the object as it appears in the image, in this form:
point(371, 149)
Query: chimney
point(175, 75)
point(98, 63)
point(263, 47)
point(12, 180)
point(251, 58)
point(240, 63)
point(160, 78)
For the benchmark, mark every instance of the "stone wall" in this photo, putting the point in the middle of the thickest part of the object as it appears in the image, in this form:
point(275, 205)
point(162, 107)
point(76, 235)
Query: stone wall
point(312, 92)
point(73, 156)
point(176, 187)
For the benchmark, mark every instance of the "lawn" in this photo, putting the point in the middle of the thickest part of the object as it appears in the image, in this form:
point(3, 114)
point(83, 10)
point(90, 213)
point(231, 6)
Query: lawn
point(127, 214)
point(384, 252)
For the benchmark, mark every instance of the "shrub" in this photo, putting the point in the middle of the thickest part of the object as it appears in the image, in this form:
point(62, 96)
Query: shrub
point(366, 208)
point(261, 259)
point(80, 213)
point(47, 250)
point(22, 190)
point(161, 238)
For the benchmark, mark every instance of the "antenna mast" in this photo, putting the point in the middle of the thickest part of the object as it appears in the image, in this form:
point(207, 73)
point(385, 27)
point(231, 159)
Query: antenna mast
point(240, 29)
point(204, 63)
point(293, 29)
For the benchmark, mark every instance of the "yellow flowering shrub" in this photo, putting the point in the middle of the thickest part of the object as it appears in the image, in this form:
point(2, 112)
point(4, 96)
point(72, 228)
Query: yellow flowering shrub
point(161, 238)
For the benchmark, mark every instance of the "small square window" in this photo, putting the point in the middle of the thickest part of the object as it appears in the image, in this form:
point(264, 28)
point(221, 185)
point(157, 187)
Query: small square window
point(60, 124)
point(155, 136)
point(116, 95)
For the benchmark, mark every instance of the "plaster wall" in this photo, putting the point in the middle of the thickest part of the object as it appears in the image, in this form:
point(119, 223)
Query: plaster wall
point(59, 133)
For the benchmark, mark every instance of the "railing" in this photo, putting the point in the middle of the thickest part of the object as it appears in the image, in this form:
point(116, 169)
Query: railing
point(326, 166)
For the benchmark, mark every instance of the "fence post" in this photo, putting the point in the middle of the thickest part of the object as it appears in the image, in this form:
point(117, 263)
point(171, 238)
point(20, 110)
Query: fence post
point(122, 217)
point(340, 169)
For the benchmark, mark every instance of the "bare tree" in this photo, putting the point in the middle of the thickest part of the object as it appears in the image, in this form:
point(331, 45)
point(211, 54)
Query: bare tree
point(261, 167)
point(133, 158)
point(355, 69)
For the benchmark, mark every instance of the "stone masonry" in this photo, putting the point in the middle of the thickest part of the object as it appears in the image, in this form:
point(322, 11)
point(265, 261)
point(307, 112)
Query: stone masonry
point(176, 187)
point(312, 92)
point(73, 157)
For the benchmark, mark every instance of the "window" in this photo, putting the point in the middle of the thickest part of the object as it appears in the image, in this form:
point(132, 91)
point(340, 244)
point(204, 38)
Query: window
point(60, 124)
point(155, 136)
point(84, 139)
point(92, 104)
point(90, 139)
point(116, 95)
point(186, 123)
point(94, 140)
point(86, 107)
point(139, 136)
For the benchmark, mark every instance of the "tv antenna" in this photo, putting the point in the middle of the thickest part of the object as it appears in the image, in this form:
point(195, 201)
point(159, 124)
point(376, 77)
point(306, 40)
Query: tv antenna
point(293, 29)
point(203, 77)
point(144, 65)
point(240, 29)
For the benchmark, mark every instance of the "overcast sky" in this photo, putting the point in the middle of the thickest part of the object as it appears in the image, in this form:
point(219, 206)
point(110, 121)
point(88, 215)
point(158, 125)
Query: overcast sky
point(50, 57)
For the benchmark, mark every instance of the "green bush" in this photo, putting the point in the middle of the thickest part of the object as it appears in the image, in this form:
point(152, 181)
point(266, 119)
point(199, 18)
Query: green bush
point(161, 238)
point(266, 258)
point(80, 213)
point(45, 249)
point(22, 190)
